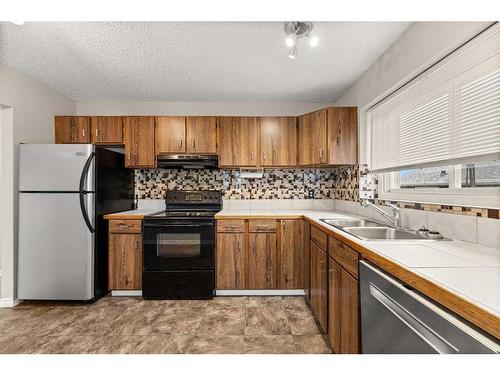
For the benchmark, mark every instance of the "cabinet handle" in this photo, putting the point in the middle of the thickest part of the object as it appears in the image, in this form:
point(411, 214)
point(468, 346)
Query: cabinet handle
point(262, 226)
point(83, 132)
point(323, 266)
point(251, 156)
point(194, 143)
point(96, 133)
point(180, 143)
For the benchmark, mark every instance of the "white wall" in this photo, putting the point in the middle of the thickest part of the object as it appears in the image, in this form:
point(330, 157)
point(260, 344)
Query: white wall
point(33, 107)
point(419, 47)
point(196, 108)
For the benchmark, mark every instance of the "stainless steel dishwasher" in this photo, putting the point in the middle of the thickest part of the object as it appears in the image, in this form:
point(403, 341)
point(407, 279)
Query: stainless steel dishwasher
point(398, 320)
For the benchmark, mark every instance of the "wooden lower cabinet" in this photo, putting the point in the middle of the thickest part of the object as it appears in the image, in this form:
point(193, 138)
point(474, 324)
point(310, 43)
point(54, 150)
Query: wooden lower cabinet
point(230, 261)
point(125, 261)
point(262, 263)
point(294, 254)
point(343, 310)
point(319, 285)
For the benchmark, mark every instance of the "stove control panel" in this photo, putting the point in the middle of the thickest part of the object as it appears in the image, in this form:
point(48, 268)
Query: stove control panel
point(194, 197)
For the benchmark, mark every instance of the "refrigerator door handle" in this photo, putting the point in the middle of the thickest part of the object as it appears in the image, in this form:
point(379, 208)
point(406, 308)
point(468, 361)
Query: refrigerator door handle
point(83, 192)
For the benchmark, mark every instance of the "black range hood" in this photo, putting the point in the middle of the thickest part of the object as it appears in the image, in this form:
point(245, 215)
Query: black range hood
point(188, 161)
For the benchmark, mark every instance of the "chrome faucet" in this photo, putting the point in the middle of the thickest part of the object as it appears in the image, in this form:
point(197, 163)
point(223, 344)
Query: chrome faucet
point(395, 219)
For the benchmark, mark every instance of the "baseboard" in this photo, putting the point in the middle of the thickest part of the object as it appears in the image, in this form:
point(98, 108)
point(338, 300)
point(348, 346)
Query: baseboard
point(260, 292)
point(126, 293)
point(9, 302)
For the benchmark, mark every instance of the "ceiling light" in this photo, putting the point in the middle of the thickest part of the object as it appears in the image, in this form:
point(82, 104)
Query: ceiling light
point(290, 41)
point(313, 41)
point(297, 30)
point(18, 22)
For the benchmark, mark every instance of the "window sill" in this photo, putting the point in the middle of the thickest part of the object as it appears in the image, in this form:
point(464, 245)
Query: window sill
point(445, 197)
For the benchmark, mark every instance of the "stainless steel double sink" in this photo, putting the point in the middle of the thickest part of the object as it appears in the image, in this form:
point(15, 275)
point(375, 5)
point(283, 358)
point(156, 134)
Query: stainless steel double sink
point(371, 230)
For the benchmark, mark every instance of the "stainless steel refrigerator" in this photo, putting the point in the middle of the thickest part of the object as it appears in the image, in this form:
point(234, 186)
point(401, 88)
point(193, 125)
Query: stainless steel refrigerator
point(64, 192)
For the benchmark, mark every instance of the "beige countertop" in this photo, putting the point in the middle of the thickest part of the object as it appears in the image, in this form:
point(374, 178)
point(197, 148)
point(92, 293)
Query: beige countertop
point(138, 214)
point(467, 270)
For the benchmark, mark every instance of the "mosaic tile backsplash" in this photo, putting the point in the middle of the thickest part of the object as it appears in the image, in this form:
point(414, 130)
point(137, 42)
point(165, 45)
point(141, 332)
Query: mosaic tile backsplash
point(275, 183)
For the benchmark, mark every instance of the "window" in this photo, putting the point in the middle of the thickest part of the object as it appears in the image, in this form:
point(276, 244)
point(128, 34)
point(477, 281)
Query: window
point(437, 138)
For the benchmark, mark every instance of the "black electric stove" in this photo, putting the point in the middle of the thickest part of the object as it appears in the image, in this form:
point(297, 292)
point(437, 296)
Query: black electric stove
point(179, 247)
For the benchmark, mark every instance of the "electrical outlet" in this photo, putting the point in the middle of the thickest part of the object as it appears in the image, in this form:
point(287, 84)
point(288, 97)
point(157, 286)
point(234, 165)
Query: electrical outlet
point(310, 193)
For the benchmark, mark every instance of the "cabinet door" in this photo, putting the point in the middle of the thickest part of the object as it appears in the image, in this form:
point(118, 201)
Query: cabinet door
point(238, 141)
point(318, 137)
point(230, 261)
point(262, 261)
point(106, 129)
point(343, 133)
point(278, 141)
point(72, 129)
point(139, 139)
point(306, 148)
point(171, 134)
point(294, 268)
point(201, 135)
point(125, 261)
point(349, 320)
point(319, 287)
point(334, 304)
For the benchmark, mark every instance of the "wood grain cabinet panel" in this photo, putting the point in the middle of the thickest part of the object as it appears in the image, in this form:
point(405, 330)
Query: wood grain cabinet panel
point(319, 237)
point(334, 274)
point(230, 264)
point(343, 133)
point(125, 261)
point(106, 129)
point(294, 256)
point(139, 139)
point(306, 149)
point(278, 141)
point(343, 255)
point(343, 310)
point(234, 226)
point(262, 265)
point(72, 129)
point(201, 135)
point(171, 134)
point(238, 138)
point(319, 286)
point(262, 225)
point(318, 136)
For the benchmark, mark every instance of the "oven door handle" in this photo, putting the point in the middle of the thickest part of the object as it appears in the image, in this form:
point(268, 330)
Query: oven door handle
point(178, 224)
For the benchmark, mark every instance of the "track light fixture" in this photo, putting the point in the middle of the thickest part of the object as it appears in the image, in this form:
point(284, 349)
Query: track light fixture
point(296, 30)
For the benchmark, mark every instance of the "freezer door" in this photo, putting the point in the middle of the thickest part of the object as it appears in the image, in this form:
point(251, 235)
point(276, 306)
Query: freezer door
point(56, 253)
point(54, 167)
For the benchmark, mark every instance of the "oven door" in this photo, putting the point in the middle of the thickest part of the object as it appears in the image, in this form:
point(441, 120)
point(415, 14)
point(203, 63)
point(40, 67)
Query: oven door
point(179, 244)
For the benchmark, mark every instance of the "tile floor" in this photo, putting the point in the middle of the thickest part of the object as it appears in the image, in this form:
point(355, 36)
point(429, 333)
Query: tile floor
point(133, 325)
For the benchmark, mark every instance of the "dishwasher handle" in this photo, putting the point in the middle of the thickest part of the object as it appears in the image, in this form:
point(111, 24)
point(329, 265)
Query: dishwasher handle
point(427, 334)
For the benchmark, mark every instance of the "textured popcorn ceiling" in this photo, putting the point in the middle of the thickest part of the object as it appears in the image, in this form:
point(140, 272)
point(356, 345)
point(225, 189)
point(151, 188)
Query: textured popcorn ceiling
point(188, 61)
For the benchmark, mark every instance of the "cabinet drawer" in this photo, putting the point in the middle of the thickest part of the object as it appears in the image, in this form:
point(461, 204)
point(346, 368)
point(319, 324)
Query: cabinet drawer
point(262, 226)
point(125, 226)
point(344, 255)
point(232, 226)
point(319, 237)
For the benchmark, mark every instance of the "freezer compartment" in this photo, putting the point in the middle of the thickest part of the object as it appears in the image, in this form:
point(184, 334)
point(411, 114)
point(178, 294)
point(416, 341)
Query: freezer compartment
point(398, 320)
point(56, 248)
point(55, 167)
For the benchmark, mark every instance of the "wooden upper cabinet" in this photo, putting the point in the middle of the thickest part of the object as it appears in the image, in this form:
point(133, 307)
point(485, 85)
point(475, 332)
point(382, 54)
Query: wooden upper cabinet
point(278, 141)
point(201, 135)
point(106, 129)
point(72, 129)
point(329, 137)
point(139, 139)
point(238, 141)
point(318, 137)
point(171, 134)
point(343, 135)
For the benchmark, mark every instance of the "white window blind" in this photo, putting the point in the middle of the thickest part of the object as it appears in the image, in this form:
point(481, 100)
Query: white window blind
point(449, 113)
